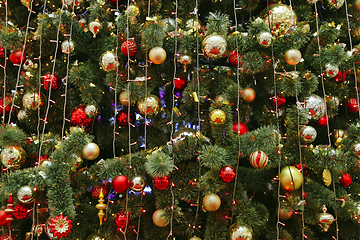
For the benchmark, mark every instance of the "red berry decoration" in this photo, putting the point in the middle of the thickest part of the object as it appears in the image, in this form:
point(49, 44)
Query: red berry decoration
point(345, 179)
point(340, 77)
point(279, 99)
point(17, 57)
point(122, 117)
point(161, 183)
point(322, 122)
point(235, 58)
point(22, 211)
point(129, 48)
point(240, 128)
point(5, 102)
point(120, 184)
point(79, 117)
point(352, 105)
point(180, 83)
point(227, 174)
point(121, 221)
point(3, 216)
point(51, 81)
point(95, 191)
point(259, 159)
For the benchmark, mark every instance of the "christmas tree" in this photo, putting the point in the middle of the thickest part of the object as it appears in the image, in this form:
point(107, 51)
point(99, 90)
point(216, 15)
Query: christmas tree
point(183, 119)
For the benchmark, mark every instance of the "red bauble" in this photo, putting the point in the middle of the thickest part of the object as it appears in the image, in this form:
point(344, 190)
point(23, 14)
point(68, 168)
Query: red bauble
point(227, 174)
point(279, 99)
point(2, 52)
point(3, 216)
point(79, 117)
point(180, 83)
point(122, 117)
point(161, 183)
point(51, 81)
point(17, 57)
point(240, 128)
point(120, 184)
point(129, 46)
point(7, 237)
point(340, 77)
point(352, 105)
point(95, 191)
point(5, 102)
point(121, 221)
point(22, 211)
point(322, 122)
point(345, 179)
point(235, 59)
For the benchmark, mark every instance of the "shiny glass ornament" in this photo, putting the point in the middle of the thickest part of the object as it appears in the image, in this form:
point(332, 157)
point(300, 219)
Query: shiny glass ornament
point(240, 232)
point(227, 174)
point(121, 221)
point(109, 61)
point(326, 177)
point(352, 105)
point(52, 81)
point(264, 39)
point(91, 110)
point(211, 202)
point(67, 46)
point(259, 159)
point(94, 27)
point(217, 117)
point(5, 103)
point(159, 218)
point(124, 98)
point(248, 95)
point(157, 55)
point(22, 115)
point(315, 106)
point(308, 134)
point(129, 48)
point(280, 18)
point(32, 100)
point(25, 194)
point(185, 60)
point(90, 151)
point(292, 56)
point(331, 70)
point(325, 219)
point(290, 178)
point(161, 183)
point(12, 157)
point(149, 105)
point(137, 183)
point(336, 3)
point(214, 46)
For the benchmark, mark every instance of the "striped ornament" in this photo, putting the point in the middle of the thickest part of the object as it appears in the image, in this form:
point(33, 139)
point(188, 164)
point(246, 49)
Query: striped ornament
point(259, 159)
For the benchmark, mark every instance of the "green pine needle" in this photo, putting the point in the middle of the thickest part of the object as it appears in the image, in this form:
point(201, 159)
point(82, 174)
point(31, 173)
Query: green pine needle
point(214, 156)
point(159, 164)
point(11, 135)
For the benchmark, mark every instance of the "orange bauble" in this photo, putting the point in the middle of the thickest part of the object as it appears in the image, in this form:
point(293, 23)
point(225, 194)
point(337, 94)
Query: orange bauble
point(157, 55)
point(248, 95)
point(211, 202)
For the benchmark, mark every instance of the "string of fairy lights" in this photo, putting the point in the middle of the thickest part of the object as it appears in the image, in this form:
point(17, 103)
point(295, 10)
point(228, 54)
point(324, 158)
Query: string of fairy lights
point(4, 66)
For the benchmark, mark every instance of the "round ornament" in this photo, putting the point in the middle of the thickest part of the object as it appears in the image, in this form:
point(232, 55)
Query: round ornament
point(352, 105)
point(123, 118)
point(67, 46)
point(79, 117)
point(48, 230)
point(235, 58)
point(120, 184)
point(181, 135)
point(109, 61)
point(345, 179)
point(95, 236)
point(326, 177)
point(94, 27)
point(340, 77)
point(121, 221)
point(161, 183)
point(91, 151)
point(227, 174)
point(22, 211)
point(137, 183)
point(91, 111)
point(264, 39)
point(129, 48)
point(315, 106)
point(157, 55)
point(214, 46)
point(308, 134)
point(292, 56)
point(357, 5)
point(3, 216)
point(132, 11)
point(248, 95)
point(336, 3)
point(240, 232)
point(159, 218)
point(17, 57)
point(322, 122)
point(185, 60)
point(240, 128)
point(282, 18)
point(52, 81)
point(290, 178)
point(12, 157)
point(25, 194)
point(5, 103)
point(195, 238)
point(7, 237)
point(325, 219)
point(259, 159)
point(356, 150)
point(357, 212)
point(149, 105)
point(331, 70)
point(124, 98)
point(179, 83)
point(285, 214)
point(95, 191)
point(211, 202)
point(304, 27)
point(31, 101)
point(192, 25)
point(22, 115)
point(279, 99)
point(217, 117)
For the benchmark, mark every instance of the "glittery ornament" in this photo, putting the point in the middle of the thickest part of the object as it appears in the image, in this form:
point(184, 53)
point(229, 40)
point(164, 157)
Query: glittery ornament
point(217, 117)
point(95, 236)
point(331, 70)
point(90, 151)
point(22, 115)
point(67, 46)
point(17, 57)
point(282, 18)
point(259, 159)
point(185, 60)
point(60, 226)
point(315, 106)
point(129, 48)
point(5, 103)
point(235, 58)
point(264, 39)
point(137, 183)
point(52, 81)
point(292, 56)
point(7, 237)
point(12, 157)
point(322, 122)
point(94, 27)
point(25, 194)
point(352, 105)
point(109, 61)
point(211, 202)
point(28, 64)
point(161, 183)
point(279, 99)
point(123, 117)
point(248, 95)
point(214, 46)
point(159, 218)
point(150, 105)
point(121, 221)
point(91, 111)
point(240, 128)
point(326, 177)
point(157, 55)
point(325, 219)
point(32, 101)
point(22, 211)
point(179, 83)
point(240, 233)
point(227, 174)
point(308, 134)
point(79, 117)
point(336, 3)
point(340, 77)
point(95, 191)
point(120, 184)
point(290, 178)
point(345, 179)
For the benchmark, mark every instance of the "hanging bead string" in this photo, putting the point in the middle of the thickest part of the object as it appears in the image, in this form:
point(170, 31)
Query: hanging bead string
point(326, 113)
point(5, 64)
point(172, 210)
point(20, 65)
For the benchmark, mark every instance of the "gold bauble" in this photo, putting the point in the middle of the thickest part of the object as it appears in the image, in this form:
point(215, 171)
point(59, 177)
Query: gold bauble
point(357, 5)
point(31, 101)
point(211, 202)
point(109, 61)
point(214, 46)
point(292, 56)
point(217, 117)
point(157, 55)
point(326, 177)
point(282, 18)
point(91, 151)
point(248, 95)
point(240, 232)
point(159, 218)
point(12, 157)
point(95, 236)
point(195, 238)
point(124, 99)
point(290, 178)
point(150, 105)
